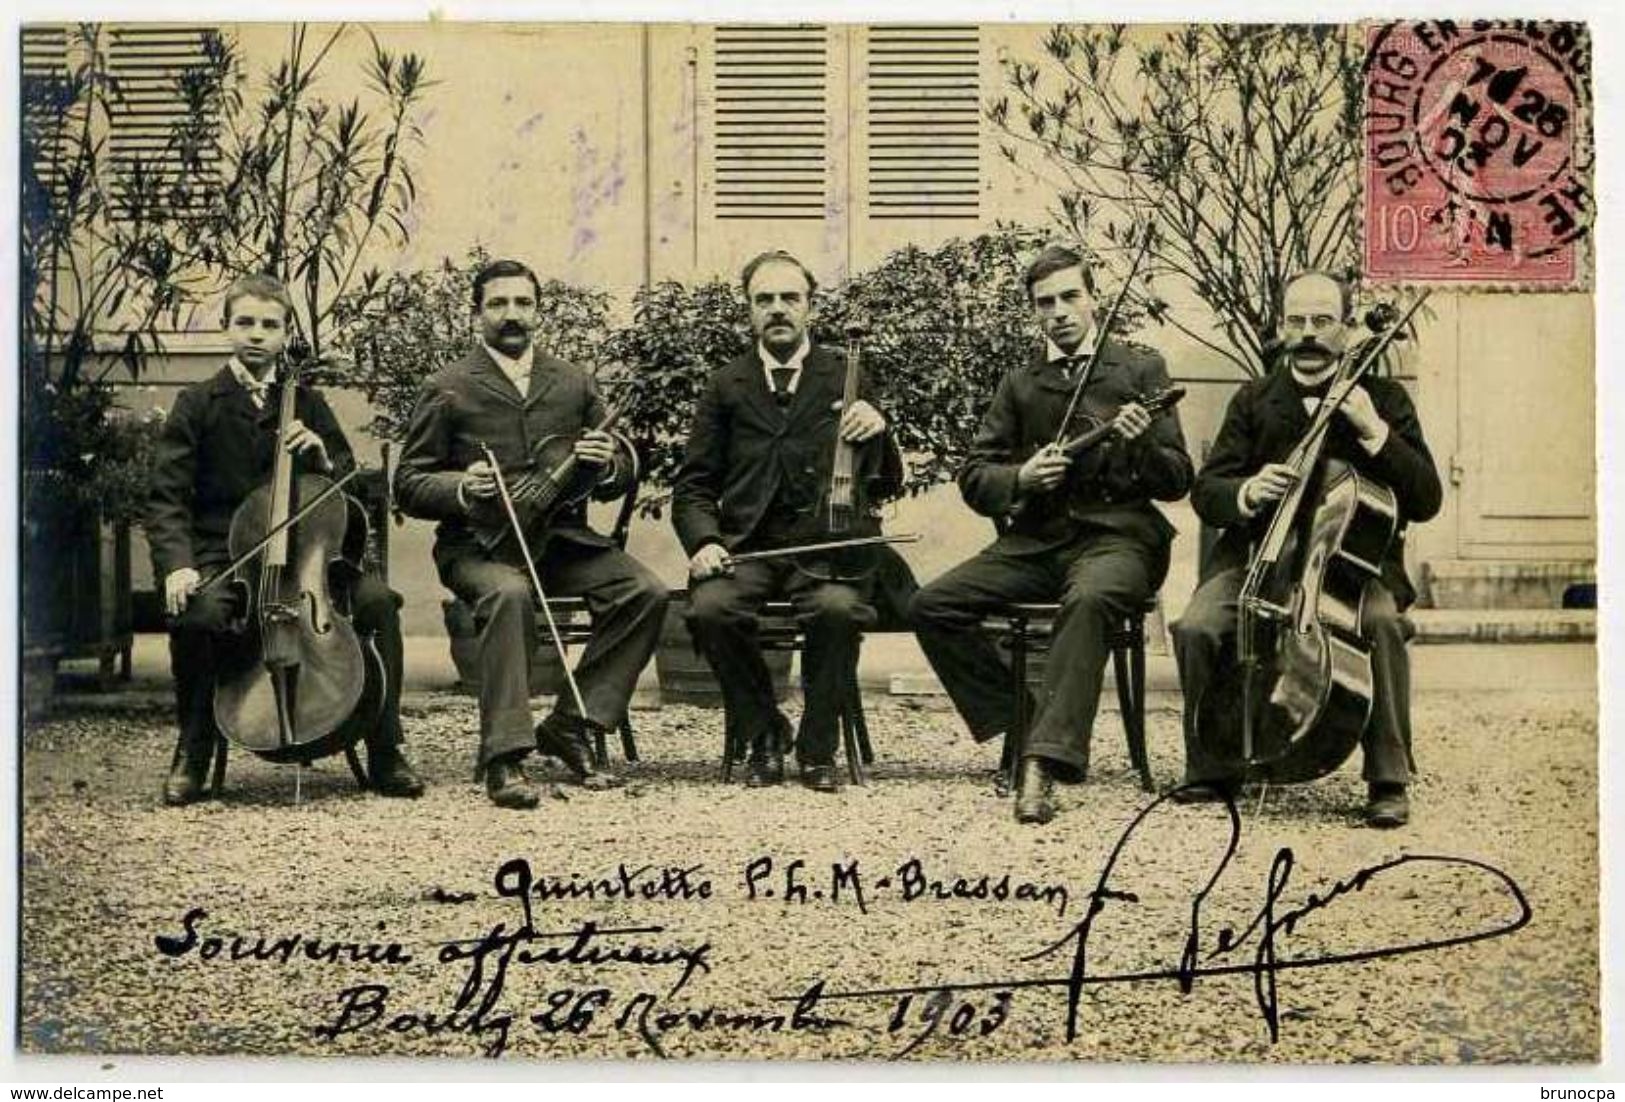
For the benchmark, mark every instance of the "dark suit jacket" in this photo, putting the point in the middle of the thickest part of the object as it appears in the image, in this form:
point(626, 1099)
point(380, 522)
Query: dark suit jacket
point(744, 447)
point(1265, 420)
point(1111, 487)
point(215, 449)
point(472, 401)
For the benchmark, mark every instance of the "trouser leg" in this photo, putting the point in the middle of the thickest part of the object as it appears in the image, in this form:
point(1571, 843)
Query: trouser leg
point(1387, 736)
point(1111, 576)
point(196, 639)
point(627, 604)
point(377, 614)
point(500, 596)
point(947, 620)
point(832, 616)
point(722, 615)
point(1200, 638)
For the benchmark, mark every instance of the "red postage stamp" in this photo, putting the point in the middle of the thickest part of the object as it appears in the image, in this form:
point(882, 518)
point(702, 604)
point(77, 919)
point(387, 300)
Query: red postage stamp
point(1477, 165)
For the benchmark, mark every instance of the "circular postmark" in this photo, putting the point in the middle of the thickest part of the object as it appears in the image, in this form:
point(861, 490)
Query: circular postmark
point(1477, 153)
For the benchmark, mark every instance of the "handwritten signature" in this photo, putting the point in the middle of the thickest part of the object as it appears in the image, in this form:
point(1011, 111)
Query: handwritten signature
point(1260, 941)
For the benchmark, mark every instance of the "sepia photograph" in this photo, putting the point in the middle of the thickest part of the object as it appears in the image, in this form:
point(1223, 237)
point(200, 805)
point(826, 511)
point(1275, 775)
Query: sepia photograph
point(1011, 542)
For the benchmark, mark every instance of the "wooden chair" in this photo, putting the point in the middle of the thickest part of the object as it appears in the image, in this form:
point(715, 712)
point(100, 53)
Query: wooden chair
point(779, 630)
point(1029, 628)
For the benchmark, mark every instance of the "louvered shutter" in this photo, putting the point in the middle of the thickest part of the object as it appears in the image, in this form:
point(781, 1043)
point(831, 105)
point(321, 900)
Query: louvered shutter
point(147, 63)
point(770, 153)
point(923, 122)
point(44, 69)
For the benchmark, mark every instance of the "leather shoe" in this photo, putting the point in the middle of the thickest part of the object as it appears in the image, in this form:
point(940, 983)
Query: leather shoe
point(1387, 807)
point(567, 738)
point(1035, 795)
point(764, 771)
point(391, 774)
point(820, 777)
point(507, 786)
point(184, 785)
point(1203, 792)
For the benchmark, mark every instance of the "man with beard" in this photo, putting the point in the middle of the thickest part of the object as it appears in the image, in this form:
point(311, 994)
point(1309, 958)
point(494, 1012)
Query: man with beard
point(509, 395)
point(217, 447)
point(1082, 531)
point(761, 448)
point(1377, 433)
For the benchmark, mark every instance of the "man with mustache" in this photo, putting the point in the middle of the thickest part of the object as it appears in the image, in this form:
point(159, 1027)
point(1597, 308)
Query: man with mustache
point(217, 447)
point(760, 451)
point(1081, 531)
point(1378, 434)
point(509, 395)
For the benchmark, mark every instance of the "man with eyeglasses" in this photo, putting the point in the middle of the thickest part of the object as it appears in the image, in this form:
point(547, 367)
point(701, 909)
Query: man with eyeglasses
point(1377, 433)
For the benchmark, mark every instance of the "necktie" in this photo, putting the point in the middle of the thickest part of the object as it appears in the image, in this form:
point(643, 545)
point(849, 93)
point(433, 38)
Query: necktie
point(781, 384)
point(1074, 364)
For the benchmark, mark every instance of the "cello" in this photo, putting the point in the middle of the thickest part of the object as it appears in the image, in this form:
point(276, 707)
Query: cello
point(301, 684)
point(1305, 692)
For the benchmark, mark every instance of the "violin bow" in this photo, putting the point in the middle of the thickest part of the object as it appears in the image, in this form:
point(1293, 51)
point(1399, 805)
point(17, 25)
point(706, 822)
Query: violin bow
point(304, 510)
point(815, 548)
point(535, 578)
point(1101, 334)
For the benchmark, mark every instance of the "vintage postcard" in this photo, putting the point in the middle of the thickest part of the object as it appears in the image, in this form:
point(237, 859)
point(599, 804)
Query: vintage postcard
point(1069, 542)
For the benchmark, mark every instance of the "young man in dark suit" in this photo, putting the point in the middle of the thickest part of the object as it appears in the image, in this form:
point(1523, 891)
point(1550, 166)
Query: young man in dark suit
point(218, 445)
point(509, 395)
point(1081, 531)
point(1377, 433)
point(758, 456)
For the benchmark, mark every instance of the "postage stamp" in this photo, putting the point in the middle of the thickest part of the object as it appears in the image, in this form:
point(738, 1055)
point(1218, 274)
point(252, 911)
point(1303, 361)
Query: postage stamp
point(1477, 154)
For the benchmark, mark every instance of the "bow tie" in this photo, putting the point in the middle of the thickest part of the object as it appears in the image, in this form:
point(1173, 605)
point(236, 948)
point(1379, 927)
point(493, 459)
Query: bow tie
point(1070, 365)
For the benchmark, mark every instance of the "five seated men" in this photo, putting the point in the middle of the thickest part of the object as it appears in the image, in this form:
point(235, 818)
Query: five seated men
point(1078, 528)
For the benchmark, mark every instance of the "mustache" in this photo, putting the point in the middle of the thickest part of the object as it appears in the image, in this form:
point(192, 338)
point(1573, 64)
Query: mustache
point(511, 329)
point(1309, 344)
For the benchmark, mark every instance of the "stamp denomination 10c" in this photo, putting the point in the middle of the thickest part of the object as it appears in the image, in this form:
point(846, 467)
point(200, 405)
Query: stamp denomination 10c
point(1477, 154)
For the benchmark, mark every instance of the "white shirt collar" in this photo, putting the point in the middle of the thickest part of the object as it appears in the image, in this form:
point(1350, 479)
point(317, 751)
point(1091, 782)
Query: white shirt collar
point(516, 368)
point(797, 358)
point(1053, 352)
point(250, 382)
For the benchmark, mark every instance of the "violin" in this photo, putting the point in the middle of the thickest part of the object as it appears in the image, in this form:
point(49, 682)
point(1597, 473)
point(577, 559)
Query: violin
point(844, 523)
point(556, 480)
point(300, 684)
point(1306, 690)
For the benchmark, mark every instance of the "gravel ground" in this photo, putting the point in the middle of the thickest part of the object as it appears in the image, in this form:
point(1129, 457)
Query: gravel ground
point(1510, 780)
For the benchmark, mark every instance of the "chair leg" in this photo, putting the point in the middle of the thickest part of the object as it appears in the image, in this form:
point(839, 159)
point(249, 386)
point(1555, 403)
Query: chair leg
point(1137, 679)
point(728, 747)
point(218, 780)
point(354, 762)
point(849, 742)
point(865, 748)
point(600, 749)
point(629, 745)
point(1015, 739)
point(1128, 670)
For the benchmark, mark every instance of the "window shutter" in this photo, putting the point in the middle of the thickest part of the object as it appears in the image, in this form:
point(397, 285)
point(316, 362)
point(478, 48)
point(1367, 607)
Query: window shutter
point(147, 62)
point(44, 70)
point(924, 119)
point(772, 127)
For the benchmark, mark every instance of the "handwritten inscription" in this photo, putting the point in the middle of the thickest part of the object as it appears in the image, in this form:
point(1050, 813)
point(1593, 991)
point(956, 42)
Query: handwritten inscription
point(524, 972)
